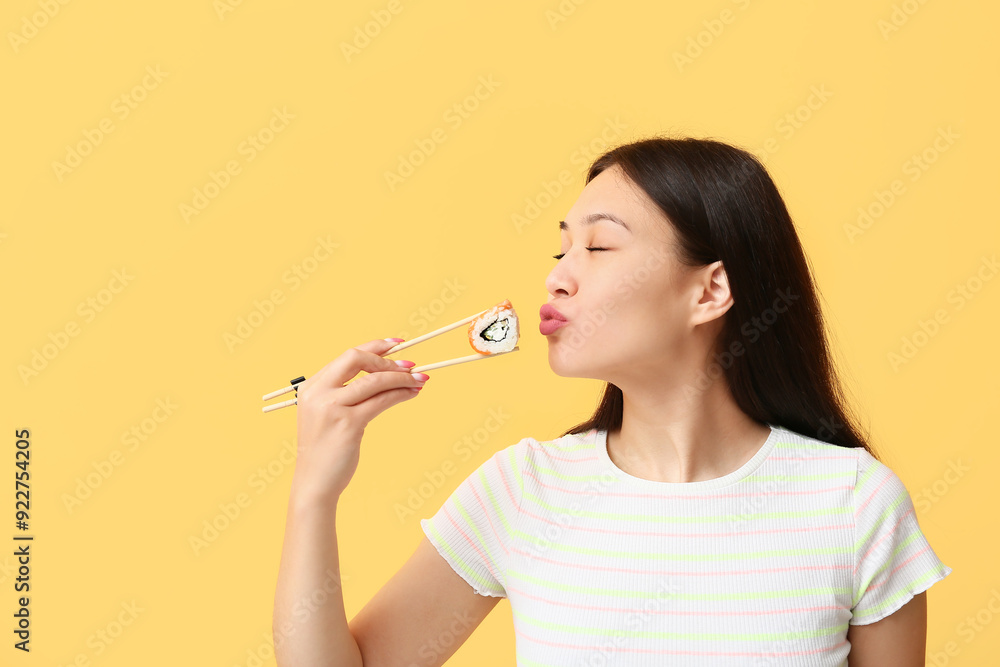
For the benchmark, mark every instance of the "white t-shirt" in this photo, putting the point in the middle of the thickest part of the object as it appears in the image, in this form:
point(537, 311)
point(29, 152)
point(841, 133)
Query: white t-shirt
point(764, 566)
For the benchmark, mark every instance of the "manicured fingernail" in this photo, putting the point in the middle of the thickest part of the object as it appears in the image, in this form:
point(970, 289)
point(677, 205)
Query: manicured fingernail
point(395, 340)
point(404, 363)
point(420, 377)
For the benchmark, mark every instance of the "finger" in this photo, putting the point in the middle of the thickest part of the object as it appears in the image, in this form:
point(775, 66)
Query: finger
point(367, 410)
point(378, 346)
point(367, 386)
point(364, 357)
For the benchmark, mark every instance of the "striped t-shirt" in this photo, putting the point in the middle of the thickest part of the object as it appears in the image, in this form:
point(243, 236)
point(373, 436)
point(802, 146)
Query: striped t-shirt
point(764, 566)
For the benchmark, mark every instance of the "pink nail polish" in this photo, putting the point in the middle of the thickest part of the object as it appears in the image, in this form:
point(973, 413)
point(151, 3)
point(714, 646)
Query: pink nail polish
point(405, 363)
point(395, 340)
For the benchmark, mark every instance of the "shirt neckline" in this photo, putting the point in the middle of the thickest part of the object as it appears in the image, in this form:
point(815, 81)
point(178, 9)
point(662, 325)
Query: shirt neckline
point(685, 487)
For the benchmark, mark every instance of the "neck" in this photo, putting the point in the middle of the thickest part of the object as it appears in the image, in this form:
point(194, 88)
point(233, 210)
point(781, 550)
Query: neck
point(682, 437)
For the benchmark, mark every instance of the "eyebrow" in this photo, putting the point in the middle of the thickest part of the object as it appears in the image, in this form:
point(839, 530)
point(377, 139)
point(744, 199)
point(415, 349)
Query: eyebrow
point(592, 218)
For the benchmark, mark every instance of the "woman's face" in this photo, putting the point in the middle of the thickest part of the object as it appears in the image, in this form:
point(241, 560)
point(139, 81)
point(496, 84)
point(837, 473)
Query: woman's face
point(628, 307)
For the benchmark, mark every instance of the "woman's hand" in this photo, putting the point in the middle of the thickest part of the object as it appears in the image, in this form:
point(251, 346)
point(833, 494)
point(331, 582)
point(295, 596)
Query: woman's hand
point(332, 417)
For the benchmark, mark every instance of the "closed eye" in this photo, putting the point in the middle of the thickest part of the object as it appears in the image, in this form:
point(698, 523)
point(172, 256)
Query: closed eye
point(562, 254)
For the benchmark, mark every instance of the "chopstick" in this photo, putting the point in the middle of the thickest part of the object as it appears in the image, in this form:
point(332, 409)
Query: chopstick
point(416, 369)
point(402, 346)
point(461, 360)
point(283, 404)
point(397, 348)
point(436, 332)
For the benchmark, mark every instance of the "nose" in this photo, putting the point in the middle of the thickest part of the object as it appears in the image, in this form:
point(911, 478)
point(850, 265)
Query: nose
point(560, 281)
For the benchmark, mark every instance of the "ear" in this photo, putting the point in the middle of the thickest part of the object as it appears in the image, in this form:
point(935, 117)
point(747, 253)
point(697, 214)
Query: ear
point(714, 297)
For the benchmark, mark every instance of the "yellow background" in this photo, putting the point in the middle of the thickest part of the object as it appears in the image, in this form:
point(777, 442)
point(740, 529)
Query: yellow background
point(444, 240)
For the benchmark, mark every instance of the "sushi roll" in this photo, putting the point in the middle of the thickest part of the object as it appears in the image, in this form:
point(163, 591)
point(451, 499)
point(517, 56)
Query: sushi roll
point(495, 330)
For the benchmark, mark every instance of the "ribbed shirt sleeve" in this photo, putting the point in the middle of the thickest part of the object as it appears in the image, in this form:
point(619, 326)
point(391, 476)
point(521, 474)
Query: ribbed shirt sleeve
point(893, 559)
point(475, 526)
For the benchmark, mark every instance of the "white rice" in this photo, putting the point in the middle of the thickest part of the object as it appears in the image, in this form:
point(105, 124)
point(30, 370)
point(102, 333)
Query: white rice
point(494, 331)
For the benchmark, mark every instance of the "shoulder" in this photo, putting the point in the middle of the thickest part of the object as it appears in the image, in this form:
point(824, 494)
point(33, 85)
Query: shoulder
point(534, 456)
point(809, 459)
point(870, 479)
point(877, 488)
point(568, 446)
point(525, 463)
point(560, 451)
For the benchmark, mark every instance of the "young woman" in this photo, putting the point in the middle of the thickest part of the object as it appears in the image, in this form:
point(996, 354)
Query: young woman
point(720, 507)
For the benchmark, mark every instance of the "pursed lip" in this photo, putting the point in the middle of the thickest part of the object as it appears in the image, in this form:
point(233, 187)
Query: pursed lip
point(548, 312)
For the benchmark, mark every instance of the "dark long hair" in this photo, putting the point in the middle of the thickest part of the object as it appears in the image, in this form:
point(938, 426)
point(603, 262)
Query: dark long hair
point(724, 206)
